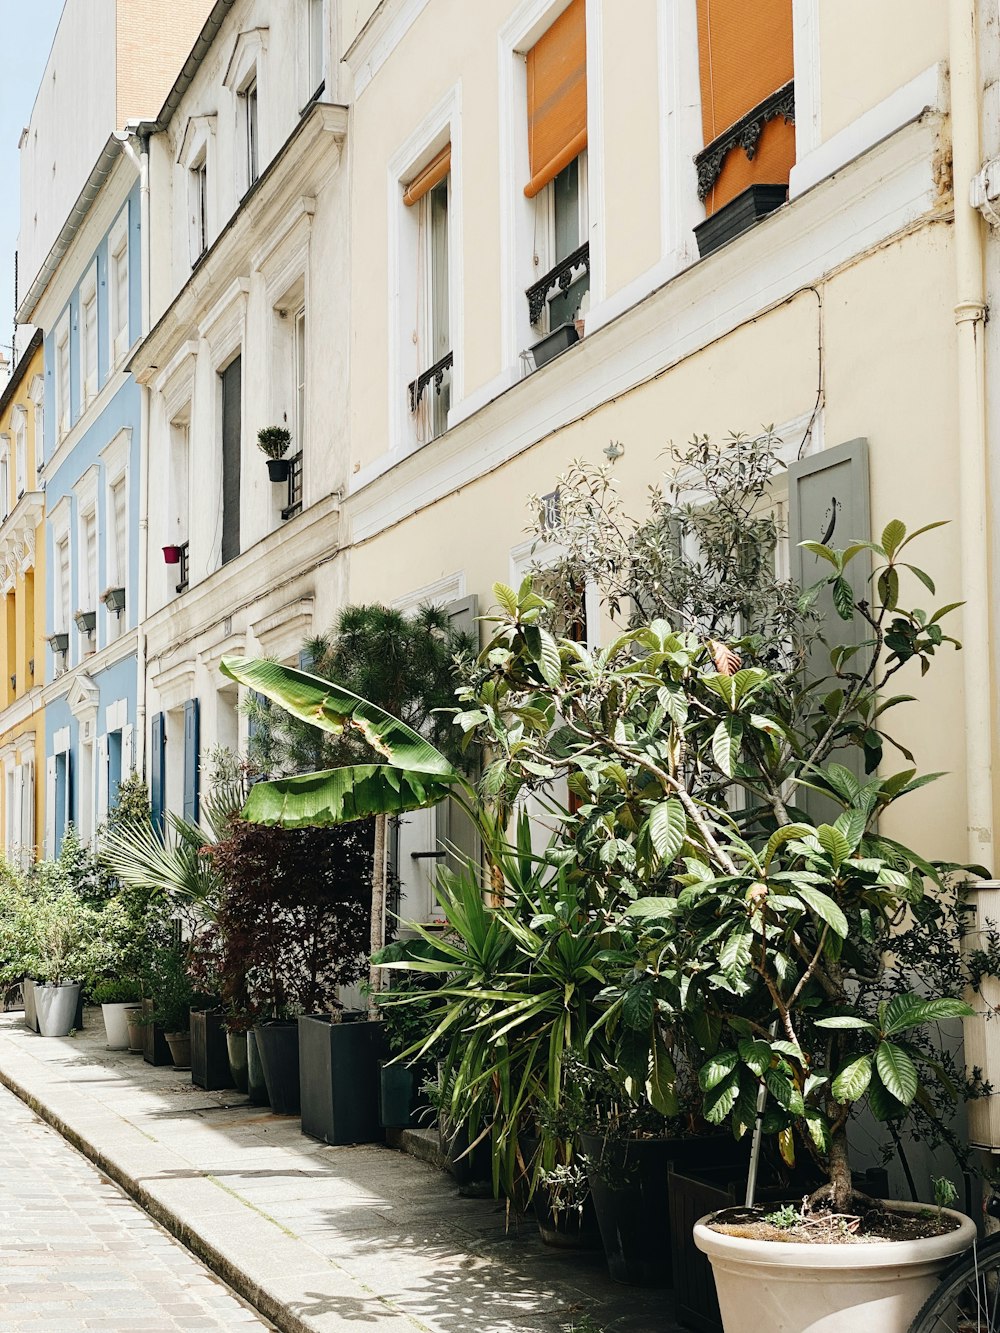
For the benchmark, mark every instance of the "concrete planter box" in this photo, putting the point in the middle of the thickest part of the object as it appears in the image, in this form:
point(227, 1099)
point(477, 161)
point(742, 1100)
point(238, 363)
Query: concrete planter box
point(339, 1064)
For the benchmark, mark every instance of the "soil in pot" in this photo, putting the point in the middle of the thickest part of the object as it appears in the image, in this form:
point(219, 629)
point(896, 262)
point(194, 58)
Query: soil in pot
point(180, 1049)
point(57, 1008)
point(278, 1048)
point(238, 1052)
point(132, 1017)
point(860, 1284)
point(628, 1182)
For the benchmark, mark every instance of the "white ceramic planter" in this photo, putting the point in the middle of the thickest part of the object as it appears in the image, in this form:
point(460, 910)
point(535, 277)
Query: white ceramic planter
point(116, 1025)
point(56, 1006)
point(872, 1287)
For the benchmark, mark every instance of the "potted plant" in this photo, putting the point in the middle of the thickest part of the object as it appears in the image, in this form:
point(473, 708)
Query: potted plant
point(172, 554)
point(274, 443)
point(134, 1026)
point(86, 621)
point(62, 931)
point(406, 1021)
point(117, 1000)
point(171, 995)
point(114, 599)
point(59, 643)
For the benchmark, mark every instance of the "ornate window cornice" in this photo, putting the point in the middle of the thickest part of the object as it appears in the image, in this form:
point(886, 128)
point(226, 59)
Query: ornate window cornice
point(744, 133)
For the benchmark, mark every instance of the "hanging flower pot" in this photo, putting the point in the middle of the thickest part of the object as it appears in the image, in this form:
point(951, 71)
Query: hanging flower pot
point(278, 468)
point(114, 599)
point(171, 555)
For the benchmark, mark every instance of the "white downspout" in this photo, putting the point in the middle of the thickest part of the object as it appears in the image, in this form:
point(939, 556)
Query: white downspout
point(970, 318)
point(141, 161)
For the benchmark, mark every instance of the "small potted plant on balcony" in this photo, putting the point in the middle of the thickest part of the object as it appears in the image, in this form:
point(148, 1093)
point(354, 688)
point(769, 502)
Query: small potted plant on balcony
point(114, 599)
point(274, 443)
point(86, 621)
point(172, 554)
point(59, 642)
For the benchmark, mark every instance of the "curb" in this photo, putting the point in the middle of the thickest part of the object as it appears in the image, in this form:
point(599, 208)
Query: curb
point(249, 1291)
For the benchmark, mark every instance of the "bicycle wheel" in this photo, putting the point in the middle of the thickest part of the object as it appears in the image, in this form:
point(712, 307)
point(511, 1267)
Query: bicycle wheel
point(968, 1297)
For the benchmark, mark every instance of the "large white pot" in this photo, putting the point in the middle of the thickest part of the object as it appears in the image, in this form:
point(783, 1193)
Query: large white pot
point(872, 1287)
point(56, 1006)
point(116, 1024)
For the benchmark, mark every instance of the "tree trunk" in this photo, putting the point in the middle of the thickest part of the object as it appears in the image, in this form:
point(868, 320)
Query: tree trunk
point(841, 1187)
point(378, 909)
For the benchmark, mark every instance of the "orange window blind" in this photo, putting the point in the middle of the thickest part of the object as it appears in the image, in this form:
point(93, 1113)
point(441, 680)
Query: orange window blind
point(424, 181)
point(557, 97)
point(744, 55)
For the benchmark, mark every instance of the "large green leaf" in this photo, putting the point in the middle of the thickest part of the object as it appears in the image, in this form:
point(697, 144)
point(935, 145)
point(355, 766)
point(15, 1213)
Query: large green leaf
point(332, 708)
point(853, 1079)
point(909, 1011)
point(414, 774)
point(897, 1071)
point(668, 828)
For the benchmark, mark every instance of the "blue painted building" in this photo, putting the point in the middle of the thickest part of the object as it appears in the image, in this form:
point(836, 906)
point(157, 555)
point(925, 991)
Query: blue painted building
point(91, 313)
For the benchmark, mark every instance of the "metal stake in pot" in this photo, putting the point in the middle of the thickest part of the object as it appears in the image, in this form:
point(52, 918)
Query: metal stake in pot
point(758, 1134)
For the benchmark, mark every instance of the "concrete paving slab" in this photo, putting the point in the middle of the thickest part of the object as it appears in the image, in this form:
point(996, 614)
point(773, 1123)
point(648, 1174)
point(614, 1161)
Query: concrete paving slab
point(317, 1238)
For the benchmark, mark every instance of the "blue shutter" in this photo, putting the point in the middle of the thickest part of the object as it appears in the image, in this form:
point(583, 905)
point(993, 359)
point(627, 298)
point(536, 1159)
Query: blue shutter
point(157, 760)
point(191, 766)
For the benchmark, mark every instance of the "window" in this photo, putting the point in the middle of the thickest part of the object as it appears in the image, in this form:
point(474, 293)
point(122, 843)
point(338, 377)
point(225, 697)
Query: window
point(747, 104)
point(178, 500)
point(430, 392)
point(249, 96)
point(61, 600)
point(4, 478)
point(37, 395)
point(88, 338)
point(62, 379)
point(88, 561)
point(20, 424)
point(199, 209)
point(118, 533)
point(316, 20)
point(118, 289)
point(300, 379)
point(231, 383)
point(557, 164)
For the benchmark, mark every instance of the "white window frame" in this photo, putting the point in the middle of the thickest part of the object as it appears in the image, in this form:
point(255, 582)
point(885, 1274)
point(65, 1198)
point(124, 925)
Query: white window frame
point(5, 477)
point(37, 395)
point(196, 162)
point(313, 47)
point(543, 258)
point(89, 377)
point(248, 67)
point(88, 588)
point(19, 426)
point(114, 459)
point(118, 320)
point(441, 126)
point(59, 525)
point(63, 395)
point(249, 117)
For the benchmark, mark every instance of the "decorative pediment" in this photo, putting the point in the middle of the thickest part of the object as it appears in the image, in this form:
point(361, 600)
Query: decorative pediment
point(83, 698)
point(248, 47)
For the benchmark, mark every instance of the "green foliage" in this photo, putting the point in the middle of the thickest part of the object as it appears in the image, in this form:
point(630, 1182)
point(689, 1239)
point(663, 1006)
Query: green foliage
point(274, 441)
point(945, 1192)
point(167, 982)
point(115, 992)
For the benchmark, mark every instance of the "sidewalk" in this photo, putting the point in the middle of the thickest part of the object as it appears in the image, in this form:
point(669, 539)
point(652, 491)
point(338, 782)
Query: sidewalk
point(316, 1238)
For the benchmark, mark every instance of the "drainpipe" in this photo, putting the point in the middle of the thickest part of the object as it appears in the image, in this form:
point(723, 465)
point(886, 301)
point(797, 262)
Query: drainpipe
point(141, 162)
point(970, 319)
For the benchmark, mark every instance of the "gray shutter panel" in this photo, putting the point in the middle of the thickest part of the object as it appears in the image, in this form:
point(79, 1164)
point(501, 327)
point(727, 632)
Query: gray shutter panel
point(232, 450)
point(455, 831)
point(157, 760)
point(828, 501)
point(191, 767)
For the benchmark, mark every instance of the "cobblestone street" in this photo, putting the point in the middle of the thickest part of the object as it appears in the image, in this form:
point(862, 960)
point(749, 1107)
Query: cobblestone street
point(76, 1254)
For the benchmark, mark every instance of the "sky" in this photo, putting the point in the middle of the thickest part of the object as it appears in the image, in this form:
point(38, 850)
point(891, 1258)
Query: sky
point(28, 30)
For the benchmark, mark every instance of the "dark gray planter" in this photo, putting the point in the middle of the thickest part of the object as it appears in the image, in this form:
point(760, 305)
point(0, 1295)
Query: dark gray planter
point(238, 1051)
point(339, 1065)
point(397, 1095)
point(738, 216)
point(256, 1086)
point(209, 1052)
point(278, 468)
point(155, 1050)
point(553, 343)
point(278, 1047)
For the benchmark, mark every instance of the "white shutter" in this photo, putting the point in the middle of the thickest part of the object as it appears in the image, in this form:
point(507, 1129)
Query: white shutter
point(102, 781)
point(28, 815)
point(50, 806)
point(16, 814)
point(128, 751)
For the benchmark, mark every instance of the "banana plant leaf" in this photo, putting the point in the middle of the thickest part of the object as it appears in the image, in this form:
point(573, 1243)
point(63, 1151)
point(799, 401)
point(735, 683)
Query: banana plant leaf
point(415, 774)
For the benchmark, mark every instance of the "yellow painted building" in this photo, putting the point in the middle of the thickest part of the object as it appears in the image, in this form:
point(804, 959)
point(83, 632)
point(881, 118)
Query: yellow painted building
point(22, 628)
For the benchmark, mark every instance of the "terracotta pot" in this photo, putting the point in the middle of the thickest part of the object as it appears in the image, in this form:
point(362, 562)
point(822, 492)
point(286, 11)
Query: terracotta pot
point(875, 1287)
point(180, 1048)
point(132, 1016)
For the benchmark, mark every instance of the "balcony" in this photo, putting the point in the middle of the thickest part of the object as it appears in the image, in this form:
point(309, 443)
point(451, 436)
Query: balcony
point(558, 280)
point(182, 567)
point(294, 505)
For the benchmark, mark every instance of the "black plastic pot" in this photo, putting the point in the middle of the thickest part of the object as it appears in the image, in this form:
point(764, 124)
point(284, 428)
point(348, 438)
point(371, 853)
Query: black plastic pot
point(256, 1086)
point(553, 343)
point(155, 1050)
point(278, 468)
point(209, 1052)
point(340, 1079)
point(397, 1096)
point(629, 1186)
point(738, 216)
point(473, 1171)
point(278, 1047)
